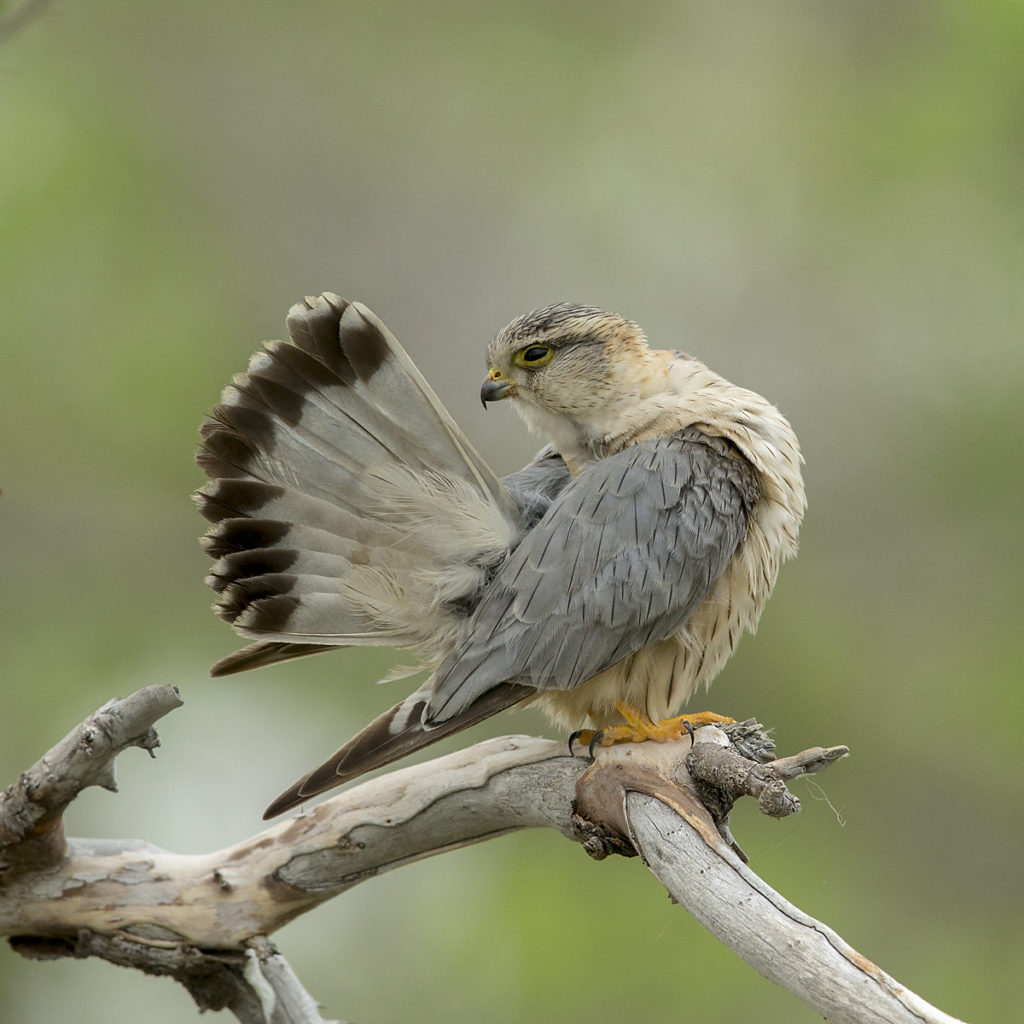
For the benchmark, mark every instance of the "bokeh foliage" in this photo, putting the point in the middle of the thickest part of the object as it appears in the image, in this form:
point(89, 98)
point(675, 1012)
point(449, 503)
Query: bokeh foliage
point(822, 200)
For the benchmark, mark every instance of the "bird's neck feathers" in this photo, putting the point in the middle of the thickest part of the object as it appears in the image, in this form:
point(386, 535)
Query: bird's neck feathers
point(762, 435)
point(657, 393)
point(651, 394)
point(606, 415)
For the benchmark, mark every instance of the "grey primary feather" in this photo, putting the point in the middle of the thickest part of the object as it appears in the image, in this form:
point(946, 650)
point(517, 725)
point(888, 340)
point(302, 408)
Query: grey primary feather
point(622, 557)
point(263, 653)
point(390, 737)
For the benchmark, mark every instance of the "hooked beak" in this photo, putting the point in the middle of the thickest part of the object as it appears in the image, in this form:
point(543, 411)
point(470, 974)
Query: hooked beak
point(496, 387)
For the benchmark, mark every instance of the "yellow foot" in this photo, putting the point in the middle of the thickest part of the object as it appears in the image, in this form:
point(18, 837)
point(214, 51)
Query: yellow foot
point(639, 728)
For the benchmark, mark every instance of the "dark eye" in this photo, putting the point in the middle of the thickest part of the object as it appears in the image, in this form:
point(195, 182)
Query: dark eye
point(535, 355)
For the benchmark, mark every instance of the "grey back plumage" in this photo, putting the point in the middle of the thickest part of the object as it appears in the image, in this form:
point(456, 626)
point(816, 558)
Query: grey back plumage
point(536, 485)
point(622, 557)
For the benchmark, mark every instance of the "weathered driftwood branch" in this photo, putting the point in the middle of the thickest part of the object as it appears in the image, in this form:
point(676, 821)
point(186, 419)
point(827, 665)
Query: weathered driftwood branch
point(253, 979)
point(654, 804)
point(254, 982)
point(202, 919)
point(31, 828)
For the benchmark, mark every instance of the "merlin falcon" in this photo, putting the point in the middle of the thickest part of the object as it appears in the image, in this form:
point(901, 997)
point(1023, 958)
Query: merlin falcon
point(606, 581)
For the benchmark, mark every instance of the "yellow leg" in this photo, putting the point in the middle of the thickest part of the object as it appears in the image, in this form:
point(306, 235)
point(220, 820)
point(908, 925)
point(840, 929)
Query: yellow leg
point(639, 727)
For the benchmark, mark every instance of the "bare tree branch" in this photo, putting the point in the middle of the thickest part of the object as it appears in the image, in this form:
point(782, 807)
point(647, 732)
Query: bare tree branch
point(254, 982)
point(203, 919)
point(218, 900)
point(777, 939)
point(31, 831)
point(679, 841)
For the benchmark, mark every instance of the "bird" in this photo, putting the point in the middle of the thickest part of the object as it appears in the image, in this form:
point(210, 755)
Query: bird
point(606, 581)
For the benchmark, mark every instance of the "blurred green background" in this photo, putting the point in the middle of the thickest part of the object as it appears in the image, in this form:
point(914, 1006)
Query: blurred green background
point(821, 200)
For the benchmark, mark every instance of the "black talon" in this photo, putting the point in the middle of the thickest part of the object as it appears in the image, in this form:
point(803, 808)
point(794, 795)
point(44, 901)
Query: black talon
point(597, 736)
point(688, 726)
point(573, 737)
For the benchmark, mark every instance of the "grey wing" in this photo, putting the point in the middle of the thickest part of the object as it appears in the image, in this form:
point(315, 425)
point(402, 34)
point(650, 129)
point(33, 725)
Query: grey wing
point(536, 485)
point(624, 554)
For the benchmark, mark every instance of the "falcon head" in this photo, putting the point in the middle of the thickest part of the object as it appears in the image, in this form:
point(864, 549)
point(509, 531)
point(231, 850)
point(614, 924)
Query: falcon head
point(568, 368)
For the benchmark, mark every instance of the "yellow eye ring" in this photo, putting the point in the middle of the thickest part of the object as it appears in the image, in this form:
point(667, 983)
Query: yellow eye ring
point(533, 356)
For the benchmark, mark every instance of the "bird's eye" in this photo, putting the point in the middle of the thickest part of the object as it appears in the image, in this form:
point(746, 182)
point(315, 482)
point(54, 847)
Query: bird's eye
point(534, 356)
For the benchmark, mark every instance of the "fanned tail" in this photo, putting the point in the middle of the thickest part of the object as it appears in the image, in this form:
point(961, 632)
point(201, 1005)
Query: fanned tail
point(338, 486)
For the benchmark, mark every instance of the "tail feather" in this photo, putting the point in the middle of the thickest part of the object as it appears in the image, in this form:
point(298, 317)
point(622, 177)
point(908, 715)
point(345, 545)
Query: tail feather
point(294, 439)
point(393, 735)
point(241, 536)
point(326, 461)
point(234, 497)
point(245, 565)
point(335, 402)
